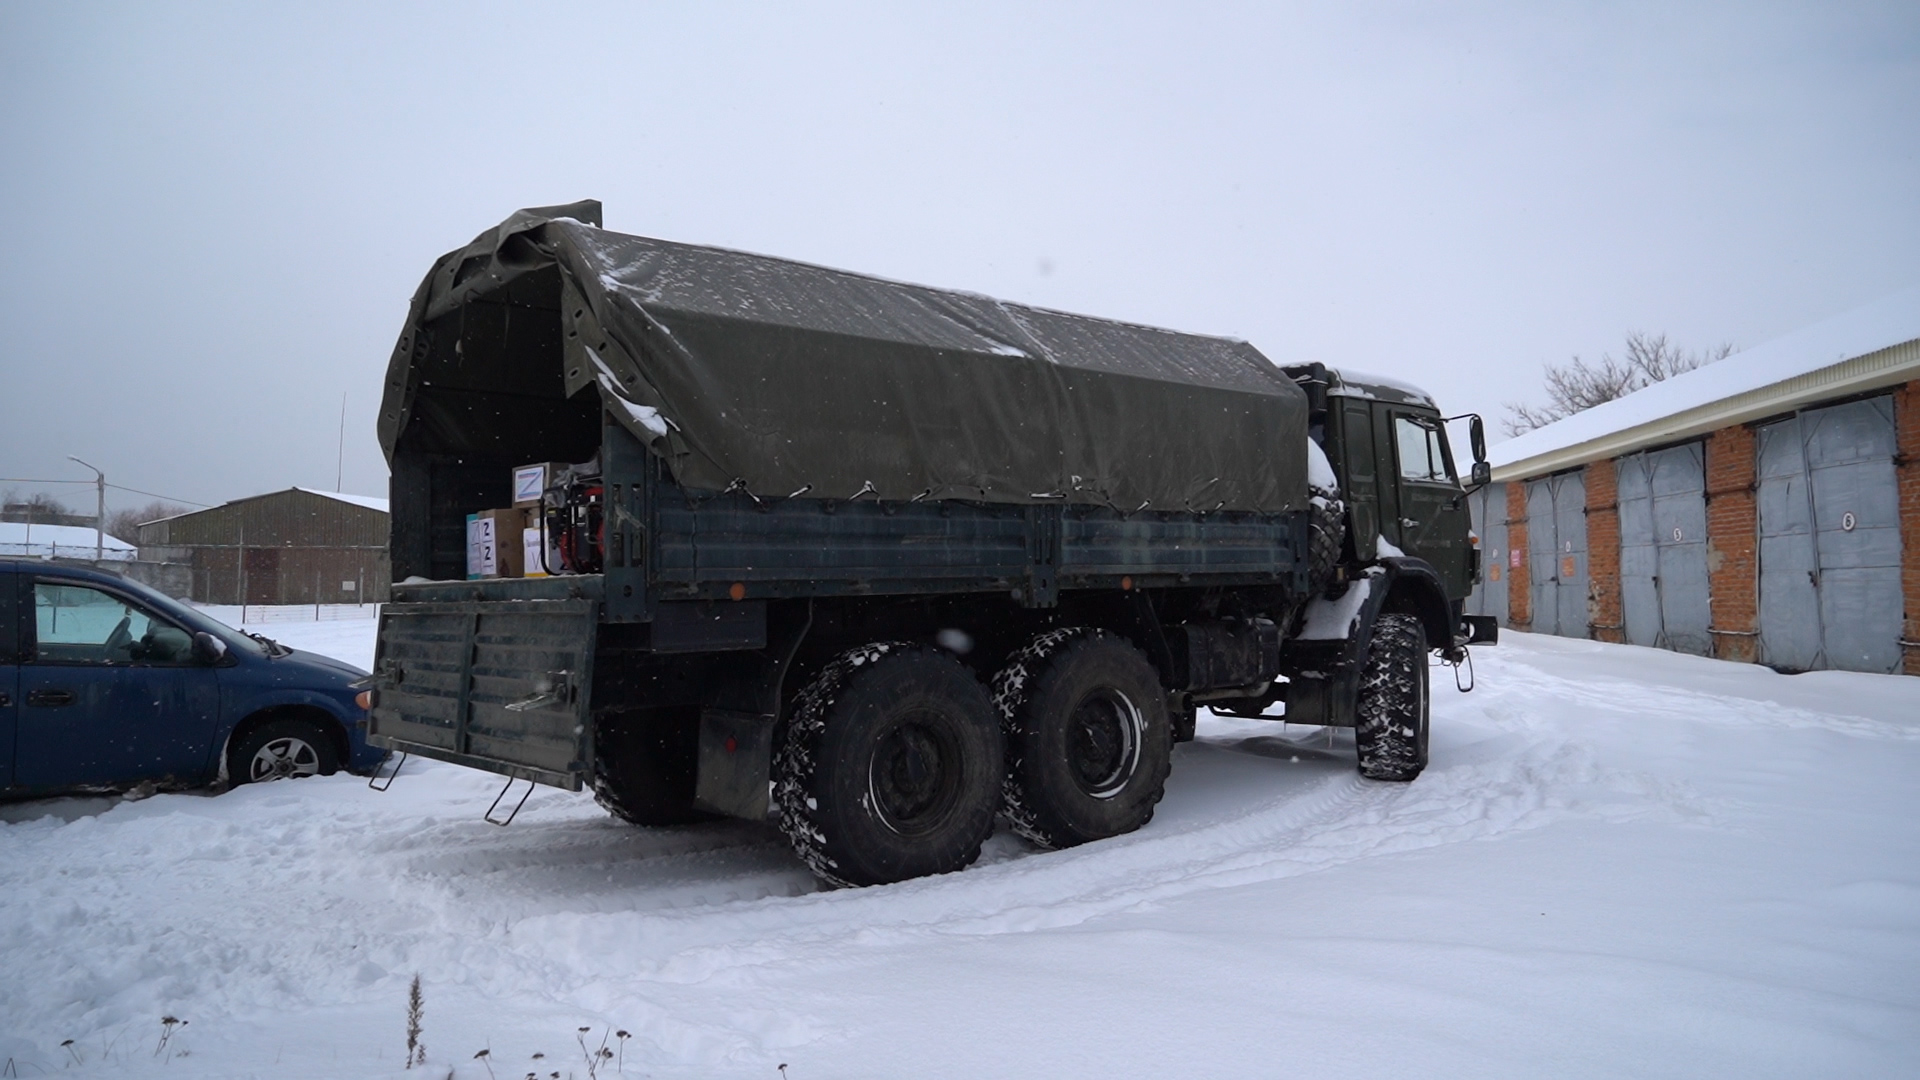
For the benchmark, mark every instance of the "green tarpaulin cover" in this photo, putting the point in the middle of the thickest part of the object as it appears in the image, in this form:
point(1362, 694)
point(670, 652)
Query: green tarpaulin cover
point(778, 377)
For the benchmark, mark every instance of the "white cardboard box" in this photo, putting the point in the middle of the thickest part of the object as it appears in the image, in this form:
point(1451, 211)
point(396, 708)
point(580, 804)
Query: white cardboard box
point(530, 539)
point(483, 556)
point(532, 481)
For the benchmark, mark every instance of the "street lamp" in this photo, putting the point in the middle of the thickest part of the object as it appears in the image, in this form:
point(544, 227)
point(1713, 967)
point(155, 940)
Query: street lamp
point(99, 513)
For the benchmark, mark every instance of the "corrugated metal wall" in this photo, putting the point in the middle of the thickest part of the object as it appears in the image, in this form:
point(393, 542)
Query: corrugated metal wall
point(290, 547)
point(297, 518)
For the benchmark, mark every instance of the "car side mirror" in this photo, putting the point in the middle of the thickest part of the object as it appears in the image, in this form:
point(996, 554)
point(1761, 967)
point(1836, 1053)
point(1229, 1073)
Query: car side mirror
point(1482, 474)
point(1477, 435)
point(208, 649)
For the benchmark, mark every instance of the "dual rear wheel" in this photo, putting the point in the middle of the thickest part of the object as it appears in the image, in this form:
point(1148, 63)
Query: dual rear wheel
point(896, 758)
point(1089, 739)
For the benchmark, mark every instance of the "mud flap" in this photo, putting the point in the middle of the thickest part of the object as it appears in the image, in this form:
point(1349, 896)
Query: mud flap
point(736, 754)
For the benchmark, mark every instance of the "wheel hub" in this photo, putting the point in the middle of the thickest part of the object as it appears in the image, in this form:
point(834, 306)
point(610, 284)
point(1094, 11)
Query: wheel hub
point(1103, 742)
point(914, 778)
point(282, 758)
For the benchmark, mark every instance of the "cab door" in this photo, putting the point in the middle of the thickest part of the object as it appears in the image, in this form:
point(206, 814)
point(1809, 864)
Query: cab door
point(1360, 470)
point(1430, 516)
point(109, 693)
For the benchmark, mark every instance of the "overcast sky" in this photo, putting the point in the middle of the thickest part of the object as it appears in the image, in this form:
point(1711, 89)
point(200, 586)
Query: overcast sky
point(216, 214)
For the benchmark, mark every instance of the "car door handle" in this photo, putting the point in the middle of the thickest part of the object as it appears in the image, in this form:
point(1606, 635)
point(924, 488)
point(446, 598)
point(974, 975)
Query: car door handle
point(50, 698)
point(1409, 523)
point(5, 701)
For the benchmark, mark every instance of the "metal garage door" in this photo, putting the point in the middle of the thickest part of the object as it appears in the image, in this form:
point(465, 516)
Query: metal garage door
point(1557, 553)
point(1489, 508)
point(1830, 593)
point(1663, 549)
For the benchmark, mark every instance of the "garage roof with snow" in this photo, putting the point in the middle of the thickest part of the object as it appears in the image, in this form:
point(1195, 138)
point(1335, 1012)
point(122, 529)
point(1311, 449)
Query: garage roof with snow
point(1865, 349)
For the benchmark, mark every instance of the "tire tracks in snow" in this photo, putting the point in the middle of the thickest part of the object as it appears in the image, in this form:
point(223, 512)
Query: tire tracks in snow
point(1327, 822)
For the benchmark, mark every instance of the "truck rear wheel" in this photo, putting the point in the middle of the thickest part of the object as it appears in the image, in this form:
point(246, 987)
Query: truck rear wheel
point(1390, 715)
point(891, 766)
point(1089, 741)
point(644, 765)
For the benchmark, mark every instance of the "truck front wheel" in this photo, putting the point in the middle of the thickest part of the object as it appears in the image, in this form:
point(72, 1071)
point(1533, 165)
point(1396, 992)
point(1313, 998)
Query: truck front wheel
point(891, 766)
point(1089, 740)
point(1390, 716)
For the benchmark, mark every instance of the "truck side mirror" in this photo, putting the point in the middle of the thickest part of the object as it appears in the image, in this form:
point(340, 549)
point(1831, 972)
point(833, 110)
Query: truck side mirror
point(1482, 474)
point(1477, 435)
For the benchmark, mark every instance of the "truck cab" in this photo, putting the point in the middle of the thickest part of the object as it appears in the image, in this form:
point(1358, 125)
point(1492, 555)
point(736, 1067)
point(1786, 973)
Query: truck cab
point(1387, 443)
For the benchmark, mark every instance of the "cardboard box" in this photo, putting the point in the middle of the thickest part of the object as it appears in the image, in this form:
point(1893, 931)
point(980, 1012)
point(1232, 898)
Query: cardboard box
point(533, 532)
point(493, 543)
point(530, 481)
point(480, 548)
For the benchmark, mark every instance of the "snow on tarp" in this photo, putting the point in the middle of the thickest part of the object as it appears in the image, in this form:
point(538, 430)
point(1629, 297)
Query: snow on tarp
point(19, 539)
point(1888, 322)
point(776, 376)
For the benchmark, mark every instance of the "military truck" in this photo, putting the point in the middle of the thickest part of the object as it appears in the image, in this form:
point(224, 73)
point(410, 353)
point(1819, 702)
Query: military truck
point(885, 563)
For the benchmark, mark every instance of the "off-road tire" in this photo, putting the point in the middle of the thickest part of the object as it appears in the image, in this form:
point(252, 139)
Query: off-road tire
point(645, 765)
point(301, 743)
point(1390, 715)
point(890, 768)
point(1089, 739)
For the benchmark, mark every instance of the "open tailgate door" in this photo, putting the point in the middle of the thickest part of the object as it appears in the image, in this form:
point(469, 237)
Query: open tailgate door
point(503, 686)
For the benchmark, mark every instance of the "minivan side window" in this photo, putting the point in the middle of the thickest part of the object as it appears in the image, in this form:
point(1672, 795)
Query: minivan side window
point(76, 624)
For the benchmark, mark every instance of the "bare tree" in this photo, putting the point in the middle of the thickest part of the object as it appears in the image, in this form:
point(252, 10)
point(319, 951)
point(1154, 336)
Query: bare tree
point(125, 524)
point(41, 506)
point(1577, 385)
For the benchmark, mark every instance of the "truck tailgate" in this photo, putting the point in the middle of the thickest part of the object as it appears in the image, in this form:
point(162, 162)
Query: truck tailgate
point(501, 685)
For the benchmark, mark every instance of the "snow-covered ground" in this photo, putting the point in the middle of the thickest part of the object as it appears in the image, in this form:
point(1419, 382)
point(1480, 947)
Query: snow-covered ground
point(1621, 863)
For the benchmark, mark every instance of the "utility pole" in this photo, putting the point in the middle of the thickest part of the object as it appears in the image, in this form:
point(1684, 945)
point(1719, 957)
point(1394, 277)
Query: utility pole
point(99, 512)
point(340, 453)
point(243, 571)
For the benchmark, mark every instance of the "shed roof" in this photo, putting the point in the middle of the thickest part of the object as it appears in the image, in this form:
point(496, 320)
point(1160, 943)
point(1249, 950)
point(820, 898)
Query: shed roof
point(369, 502)
point(1864, 349)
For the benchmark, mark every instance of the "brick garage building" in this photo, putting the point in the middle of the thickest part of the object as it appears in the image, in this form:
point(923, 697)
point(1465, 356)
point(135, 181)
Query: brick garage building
point(1765, 508)
point(296, 546)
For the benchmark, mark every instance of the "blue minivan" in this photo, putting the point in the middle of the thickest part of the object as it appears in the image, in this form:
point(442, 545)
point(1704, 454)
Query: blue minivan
point(107, 684)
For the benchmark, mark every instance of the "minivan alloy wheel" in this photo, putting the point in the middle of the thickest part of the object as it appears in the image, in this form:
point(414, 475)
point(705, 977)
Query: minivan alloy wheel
point(281, 758)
